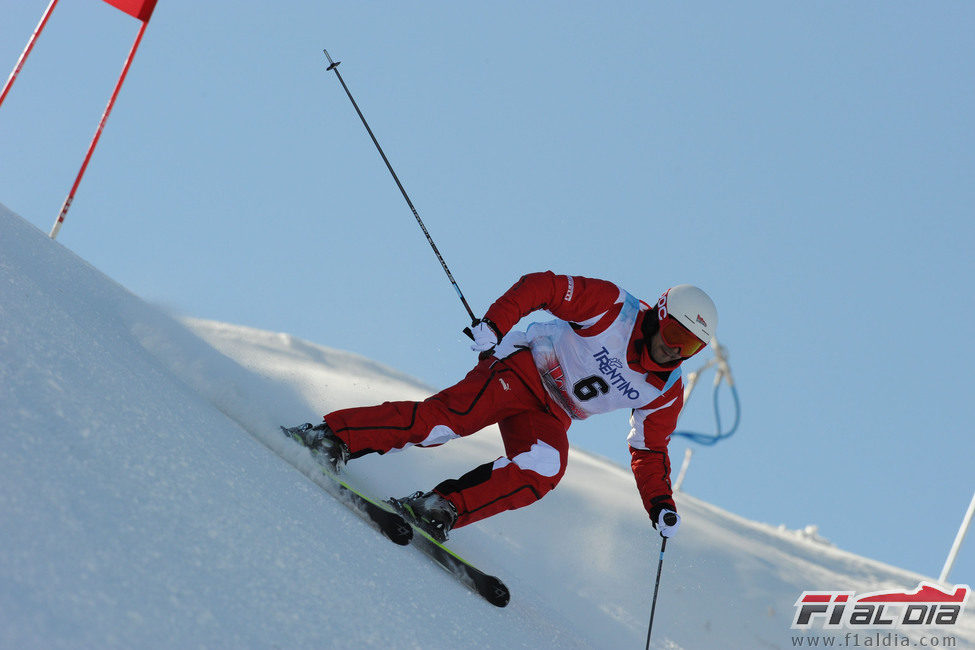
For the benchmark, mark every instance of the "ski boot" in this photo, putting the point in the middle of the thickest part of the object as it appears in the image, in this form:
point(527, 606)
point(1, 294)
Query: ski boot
point(325, 446)
point(431, 512)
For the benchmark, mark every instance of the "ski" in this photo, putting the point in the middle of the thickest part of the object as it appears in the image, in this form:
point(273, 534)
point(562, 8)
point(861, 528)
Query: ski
point(393, 526)
point(385, 517)
point(489, 587)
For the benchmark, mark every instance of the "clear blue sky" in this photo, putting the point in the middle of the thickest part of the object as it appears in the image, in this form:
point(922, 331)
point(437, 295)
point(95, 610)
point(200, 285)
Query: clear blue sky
point(809, 164)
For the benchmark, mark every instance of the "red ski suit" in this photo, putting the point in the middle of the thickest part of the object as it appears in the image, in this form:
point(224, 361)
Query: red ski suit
point(592, 360)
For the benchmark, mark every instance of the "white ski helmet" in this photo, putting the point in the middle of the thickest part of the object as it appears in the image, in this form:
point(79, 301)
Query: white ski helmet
point(690, 307)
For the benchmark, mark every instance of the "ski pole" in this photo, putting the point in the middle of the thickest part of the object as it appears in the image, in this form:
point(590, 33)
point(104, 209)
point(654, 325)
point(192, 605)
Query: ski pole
point(333, 66)
point(670, 520)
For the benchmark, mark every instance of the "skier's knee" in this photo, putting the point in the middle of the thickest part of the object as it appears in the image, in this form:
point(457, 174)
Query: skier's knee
point(542, 466)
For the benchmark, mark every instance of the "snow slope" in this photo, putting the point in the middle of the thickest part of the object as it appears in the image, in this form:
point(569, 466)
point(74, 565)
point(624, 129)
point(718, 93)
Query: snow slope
point(147, 500)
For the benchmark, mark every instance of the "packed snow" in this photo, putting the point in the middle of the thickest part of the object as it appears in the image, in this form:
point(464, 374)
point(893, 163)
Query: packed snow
point(148, 500)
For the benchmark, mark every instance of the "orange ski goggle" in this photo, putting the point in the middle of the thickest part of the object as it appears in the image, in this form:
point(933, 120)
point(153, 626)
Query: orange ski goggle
point(675, 335)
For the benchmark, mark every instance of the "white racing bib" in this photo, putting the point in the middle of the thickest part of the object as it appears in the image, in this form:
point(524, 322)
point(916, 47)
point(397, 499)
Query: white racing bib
point(587, 375)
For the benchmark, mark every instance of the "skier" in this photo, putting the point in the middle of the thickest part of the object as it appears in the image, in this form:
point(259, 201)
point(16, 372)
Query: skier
point(607, 350)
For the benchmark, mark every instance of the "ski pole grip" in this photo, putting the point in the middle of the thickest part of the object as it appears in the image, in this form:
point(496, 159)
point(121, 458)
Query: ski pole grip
point(670, 519)
point(469, 333)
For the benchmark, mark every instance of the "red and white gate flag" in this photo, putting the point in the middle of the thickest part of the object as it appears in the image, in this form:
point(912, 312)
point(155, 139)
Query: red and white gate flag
point(141, 9)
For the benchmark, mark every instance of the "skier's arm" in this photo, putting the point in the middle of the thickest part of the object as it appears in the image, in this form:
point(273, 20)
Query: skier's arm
point(650, 459)
point(571, 298)
point(651, 467)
